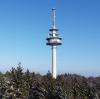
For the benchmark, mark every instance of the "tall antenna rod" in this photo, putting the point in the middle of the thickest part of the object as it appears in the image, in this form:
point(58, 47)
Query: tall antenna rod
point(54, 17)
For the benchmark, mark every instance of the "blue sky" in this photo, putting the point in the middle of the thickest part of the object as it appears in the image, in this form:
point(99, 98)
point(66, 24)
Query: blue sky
point(25, 24)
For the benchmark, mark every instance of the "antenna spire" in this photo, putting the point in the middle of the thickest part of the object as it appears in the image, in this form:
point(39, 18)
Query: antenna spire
point(54, 17)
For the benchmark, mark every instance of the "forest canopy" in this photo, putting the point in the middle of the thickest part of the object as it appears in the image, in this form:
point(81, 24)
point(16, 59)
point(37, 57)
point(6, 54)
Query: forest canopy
point(17, 84)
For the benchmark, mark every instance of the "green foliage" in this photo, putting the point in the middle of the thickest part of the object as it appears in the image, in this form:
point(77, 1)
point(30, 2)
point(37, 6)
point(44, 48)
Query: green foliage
point(16, 84)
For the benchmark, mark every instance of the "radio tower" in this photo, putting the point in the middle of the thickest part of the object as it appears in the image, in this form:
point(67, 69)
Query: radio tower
point(53, 40)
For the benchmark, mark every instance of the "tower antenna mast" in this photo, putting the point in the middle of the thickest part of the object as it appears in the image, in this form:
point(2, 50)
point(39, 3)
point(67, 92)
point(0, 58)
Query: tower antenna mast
point(54, 17)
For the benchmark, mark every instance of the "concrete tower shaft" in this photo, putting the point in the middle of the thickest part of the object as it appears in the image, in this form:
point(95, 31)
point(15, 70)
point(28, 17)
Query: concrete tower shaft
point(54, 74)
